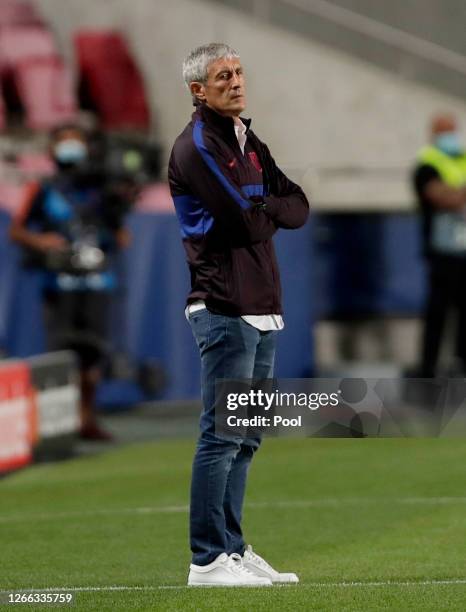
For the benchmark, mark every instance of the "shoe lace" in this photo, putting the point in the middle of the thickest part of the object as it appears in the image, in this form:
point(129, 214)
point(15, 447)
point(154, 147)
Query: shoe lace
point(236, 562)
point(258, 559)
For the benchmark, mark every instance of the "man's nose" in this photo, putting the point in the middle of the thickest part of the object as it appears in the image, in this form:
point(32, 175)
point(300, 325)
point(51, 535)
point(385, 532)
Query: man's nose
point(237, 80)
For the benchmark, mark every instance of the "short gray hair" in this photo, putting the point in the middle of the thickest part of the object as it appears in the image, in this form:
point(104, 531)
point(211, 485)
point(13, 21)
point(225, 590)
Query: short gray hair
point(196, 65)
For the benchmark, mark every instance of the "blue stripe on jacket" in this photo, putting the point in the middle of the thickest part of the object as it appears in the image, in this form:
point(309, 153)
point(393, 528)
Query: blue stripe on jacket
point(214, 167)
point(194, 219)
point(253, 190)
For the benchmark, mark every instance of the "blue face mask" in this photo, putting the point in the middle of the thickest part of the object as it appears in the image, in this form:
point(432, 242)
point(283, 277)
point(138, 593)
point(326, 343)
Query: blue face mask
point(449, 143)
point(70, 152)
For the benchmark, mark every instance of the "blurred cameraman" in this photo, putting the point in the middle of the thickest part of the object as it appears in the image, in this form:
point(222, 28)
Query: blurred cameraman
point(70, 225)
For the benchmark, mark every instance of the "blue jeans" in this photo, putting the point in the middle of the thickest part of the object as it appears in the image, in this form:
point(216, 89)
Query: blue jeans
point(229, 348)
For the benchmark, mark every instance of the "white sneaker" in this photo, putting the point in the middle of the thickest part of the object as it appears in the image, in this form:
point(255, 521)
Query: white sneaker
point(253, 562)
point(225, 571)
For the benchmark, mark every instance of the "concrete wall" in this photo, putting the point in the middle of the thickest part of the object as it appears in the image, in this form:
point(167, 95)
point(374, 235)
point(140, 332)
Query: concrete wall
point(313, 105)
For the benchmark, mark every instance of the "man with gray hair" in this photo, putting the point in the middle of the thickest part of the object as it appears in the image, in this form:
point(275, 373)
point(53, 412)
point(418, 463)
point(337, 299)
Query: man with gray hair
point(230, 199)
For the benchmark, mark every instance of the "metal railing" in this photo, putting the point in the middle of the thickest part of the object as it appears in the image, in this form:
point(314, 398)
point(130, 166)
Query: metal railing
point(382, 32)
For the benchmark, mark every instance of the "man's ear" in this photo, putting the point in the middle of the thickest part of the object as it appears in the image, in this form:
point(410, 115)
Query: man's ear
point(197, 90)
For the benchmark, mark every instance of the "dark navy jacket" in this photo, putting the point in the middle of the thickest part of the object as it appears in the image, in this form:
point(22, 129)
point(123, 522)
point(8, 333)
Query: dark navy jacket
point(229, 206)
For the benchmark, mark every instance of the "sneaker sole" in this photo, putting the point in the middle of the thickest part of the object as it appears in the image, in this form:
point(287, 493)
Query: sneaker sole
point(227, 584)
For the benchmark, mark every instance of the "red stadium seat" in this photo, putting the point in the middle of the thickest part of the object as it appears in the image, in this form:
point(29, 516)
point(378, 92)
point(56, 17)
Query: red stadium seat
point(46, 92)
point(29, 64)
point(16, 12)
point(30, 68)
point(111, 79)
point(20, 42)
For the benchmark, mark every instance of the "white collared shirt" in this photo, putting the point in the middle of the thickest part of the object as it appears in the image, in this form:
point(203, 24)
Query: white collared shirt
point(240, 131)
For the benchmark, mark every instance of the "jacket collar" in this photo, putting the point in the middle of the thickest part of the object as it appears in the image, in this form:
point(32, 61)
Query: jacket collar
point(220, 123)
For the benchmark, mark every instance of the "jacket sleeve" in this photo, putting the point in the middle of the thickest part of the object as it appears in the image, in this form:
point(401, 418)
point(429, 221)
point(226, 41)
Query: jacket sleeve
point(286, 203)
point(198, 169)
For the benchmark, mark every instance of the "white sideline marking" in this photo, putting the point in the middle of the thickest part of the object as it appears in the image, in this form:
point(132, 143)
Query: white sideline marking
point(309, 585)
point(305, 503)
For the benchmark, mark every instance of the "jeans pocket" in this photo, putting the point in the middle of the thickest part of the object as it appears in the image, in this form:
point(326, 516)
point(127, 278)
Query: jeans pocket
point(200, 325)
point(197, 313)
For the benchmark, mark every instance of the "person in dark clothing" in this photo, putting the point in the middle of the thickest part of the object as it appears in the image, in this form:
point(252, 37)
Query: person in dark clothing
point(440, 183)
point(230, 198)
point(69, 227)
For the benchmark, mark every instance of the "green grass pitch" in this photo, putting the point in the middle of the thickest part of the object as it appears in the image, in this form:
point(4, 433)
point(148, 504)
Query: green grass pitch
point(368, 524)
